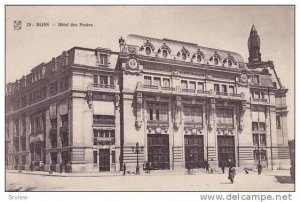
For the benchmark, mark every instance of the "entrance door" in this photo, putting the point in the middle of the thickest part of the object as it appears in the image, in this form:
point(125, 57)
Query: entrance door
point(158, 151)
point(194, 151)
point(226, 151)
point(104, 160)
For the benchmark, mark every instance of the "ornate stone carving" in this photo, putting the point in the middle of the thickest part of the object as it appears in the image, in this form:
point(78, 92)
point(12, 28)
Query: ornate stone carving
point(177, 112)
point(132, 67)
point(139, 102)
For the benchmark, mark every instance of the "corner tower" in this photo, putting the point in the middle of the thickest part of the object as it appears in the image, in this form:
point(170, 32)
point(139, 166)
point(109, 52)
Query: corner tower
point(254, 46)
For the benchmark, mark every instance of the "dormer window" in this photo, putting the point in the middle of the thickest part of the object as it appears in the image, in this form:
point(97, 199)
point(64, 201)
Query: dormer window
point(199, 58)
point(183, 56)
point(148, 50)
point(229, 63)
point(216, 61)
point(102, 58)
point(165, 53)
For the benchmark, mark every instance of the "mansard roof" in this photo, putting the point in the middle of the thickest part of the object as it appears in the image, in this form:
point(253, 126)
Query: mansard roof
point(177, 46)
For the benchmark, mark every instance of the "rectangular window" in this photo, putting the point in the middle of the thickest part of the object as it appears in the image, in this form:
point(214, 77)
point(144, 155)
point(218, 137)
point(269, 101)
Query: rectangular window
point(263, 140)
point(24, 160)
point(217, 87)
point(24, 125)
point(113, 157)
point(147, 80)
point(53, 158)
point(158, 112)
point(255, 126)
point(156, 81)
point(192, 85)
point(255, 139)
point(200, 86)
point(95, 157)
point(255, 79)
point(263, 155)
point(65, 120)
point(184, 84)
point(231, 90)
point(225, 118)
point(278, 122)
point(95, 79)
point(224, 88)
point(53, 123)
point(166, 83)
point(104, 80)
point(262, 126)
point(103, 59)
point(256, 155)
point(192, 114)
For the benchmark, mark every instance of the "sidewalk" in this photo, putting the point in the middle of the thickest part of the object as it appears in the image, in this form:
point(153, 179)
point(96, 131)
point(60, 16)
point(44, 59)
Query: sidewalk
point(153, 172)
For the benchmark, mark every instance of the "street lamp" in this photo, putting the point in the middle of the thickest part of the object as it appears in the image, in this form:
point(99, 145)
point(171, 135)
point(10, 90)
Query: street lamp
point(137, 149)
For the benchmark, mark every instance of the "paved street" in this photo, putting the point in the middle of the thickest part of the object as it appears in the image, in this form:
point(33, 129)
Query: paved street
point(156, 181)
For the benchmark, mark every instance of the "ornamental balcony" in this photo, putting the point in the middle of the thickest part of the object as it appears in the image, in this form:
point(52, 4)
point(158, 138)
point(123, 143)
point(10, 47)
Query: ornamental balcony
point(105, 87)
point(157, 123)
point(104, 122)
point(260, 100)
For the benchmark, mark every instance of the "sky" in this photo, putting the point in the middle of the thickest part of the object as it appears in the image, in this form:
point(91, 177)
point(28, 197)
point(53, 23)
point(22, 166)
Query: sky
point(220, 27)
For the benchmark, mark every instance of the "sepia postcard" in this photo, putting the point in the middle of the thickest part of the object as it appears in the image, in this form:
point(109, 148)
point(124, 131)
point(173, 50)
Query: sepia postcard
point(150, 98)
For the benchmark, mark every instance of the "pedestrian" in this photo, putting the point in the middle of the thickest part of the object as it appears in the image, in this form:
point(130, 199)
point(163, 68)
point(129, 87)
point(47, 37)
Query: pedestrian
point(61, 167)
point(259, 169)
point(207, 167)
point(124, 169)
point(231, 174)
point(189, 169)
point(31, 166)
point(147, 167)
point(150, 167)
point(223, 167)
point(144, 166)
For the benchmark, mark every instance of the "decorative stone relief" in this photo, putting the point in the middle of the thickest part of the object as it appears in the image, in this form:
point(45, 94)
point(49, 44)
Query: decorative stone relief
point(139, 102)
point(177, 112)
point(132, 67)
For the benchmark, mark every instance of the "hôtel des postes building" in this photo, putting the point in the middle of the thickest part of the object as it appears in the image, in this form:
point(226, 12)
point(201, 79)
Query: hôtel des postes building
point(180, 104)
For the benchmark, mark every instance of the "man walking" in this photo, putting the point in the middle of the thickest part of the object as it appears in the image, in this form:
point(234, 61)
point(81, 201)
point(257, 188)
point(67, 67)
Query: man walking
point(124, 169)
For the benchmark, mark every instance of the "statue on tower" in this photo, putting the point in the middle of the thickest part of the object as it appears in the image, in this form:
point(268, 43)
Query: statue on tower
point(254, 47)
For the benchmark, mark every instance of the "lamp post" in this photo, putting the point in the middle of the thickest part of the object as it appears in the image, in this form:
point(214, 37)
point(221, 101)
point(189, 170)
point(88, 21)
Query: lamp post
point(137, 149)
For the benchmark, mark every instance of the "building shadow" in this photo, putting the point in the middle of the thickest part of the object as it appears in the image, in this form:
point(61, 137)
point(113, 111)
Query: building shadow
point(284, 179)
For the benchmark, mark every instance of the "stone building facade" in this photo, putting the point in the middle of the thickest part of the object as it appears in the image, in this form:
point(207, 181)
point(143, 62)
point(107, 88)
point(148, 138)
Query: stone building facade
point(184, 104)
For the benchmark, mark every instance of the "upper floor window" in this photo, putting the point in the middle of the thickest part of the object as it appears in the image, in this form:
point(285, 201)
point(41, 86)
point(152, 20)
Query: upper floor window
point(165, 53)
point(225, 117)
point(148, 50)
point(231, 89)
point(183, 56)
point(216, 61)
point(64, 120)
point(278, 122)
point(255, 79)
point(192, 85)
point(200, 86)
point(217, 87)
point(229, 63)
point(166, 82)
point(192, 114)
point(199, 59)
point(156, 81)
point(103, 59)
point(184, 84)
point(158, 112)
point(224, 88)
point(147, 80)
